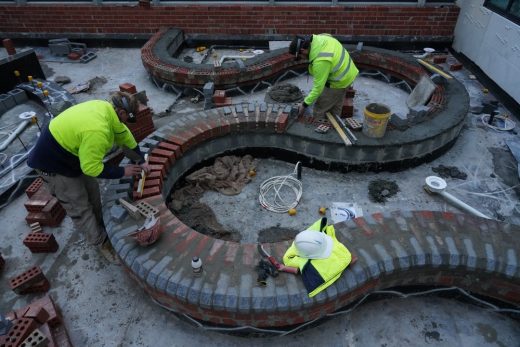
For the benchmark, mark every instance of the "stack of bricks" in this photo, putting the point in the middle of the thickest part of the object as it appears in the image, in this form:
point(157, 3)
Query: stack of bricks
point(39, 242)
point(144, 125)
point(37, 324)
point(30, 281)
point(348, 103)
point(43, 208)
point(220, 99)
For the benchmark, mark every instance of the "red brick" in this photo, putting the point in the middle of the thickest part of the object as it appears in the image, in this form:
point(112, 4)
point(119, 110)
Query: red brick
point(34, 187)
point(281, 123)
point(170, 155)
point(147, 193)
point(348, 108)
point(41, 243)
point(171, 147)
point(22, 327)
point(37, 313)
point(225, 102)
point(456, 67)
point(31, 277)
point(219, 96)
point(156, 160)
point(128, 87)
point(439, 59)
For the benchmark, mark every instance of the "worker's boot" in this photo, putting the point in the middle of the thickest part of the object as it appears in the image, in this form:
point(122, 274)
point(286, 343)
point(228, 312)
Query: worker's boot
point(109, 252)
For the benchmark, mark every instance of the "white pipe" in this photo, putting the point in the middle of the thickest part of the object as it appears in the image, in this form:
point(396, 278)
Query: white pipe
point(438, 185)
point(462, 205)
point(14, 134)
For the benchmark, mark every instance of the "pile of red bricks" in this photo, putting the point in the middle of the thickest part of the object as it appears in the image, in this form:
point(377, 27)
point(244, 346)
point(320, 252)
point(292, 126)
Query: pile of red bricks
point(220, 99)
point(144, 125)
point(37, 324)
point(43, 208)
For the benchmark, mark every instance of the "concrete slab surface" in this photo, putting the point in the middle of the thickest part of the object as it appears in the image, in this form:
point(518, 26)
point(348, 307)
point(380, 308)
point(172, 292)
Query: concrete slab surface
point(103, 306)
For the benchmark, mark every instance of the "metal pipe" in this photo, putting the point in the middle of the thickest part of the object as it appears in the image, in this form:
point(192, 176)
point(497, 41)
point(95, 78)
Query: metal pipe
point(21, 127)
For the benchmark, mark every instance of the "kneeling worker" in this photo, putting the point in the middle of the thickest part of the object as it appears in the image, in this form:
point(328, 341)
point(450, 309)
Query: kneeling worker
point(69, 156)
point(332, 69)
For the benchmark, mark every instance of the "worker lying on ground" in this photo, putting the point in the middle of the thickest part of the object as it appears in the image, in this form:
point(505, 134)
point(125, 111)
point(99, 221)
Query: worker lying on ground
point(320, 257)
point(69, 156)
point(332, 69)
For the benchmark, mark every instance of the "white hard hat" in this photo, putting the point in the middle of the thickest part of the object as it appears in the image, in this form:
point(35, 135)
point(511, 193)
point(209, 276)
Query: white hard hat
point(313, 244)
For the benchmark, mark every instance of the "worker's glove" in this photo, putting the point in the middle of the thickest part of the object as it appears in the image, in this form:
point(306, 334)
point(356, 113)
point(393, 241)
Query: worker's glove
point(301, 109)
point(264, 270)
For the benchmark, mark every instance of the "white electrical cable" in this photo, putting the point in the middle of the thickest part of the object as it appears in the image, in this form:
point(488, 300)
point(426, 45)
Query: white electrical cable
point(272, 187)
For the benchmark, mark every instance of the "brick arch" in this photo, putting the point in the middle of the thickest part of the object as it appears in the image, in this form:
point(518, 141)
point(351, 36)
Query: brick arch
point(394, 249)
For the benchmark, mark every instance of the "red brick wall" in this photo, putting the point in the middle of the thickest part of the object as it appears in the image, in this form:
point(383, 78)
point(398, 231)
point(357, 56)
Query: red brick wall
point(375, 21)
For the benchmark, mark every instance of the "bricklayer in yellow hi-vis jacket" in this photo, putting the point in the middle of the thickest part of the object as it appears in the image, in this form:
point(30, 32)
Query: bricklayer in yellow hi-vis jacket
point(320, 257)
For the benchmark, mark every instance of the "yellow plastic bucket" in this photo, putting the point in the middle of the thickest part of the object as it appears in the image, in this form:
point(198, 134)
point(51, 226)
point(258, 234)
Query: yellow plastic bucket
point(376, 119)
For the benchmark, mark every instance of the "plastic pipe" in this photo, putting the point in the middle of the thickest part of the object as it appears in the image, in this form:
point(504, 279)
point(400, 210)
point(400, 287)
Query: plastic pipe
point(438, 185)
point(14, 134)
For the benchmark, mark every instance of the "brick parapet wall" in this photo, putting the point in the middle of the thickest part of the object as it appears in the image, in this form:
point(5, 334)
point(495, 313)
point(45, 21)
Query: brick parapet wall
point(382, 23)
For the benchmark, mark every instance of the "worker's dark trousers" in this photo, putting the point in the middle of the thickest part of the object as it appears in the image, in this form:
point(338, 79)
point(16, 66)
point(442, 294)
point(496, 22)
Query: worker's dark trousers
point(330, 100)
point(81, 199)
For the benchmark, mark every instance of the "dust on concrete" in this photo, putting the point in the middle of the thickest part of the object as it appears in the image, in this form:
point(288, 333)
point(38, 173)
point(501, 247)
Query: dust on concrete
point(489, 333)
point(505, 166)
point(95, 83)
point(276, 234)
point(380, 190)
point(449, 171)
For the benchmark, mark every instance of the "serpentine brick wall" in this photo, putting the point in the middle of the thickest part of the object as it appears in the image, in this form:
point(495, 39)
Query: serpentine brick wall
point(394, 249)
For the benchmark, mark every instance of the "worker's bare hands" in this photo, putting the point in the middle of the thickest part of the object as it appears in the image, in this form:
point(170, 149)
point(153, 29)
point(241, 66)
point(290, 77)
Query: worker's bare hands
point(132, 170)
point(145, 167)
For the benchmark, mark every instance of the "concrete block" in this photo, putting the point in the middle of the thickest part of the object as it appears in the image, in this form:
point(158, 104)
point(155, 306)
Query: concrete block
point(118, 213)
point(19, 96)
point(8, 101)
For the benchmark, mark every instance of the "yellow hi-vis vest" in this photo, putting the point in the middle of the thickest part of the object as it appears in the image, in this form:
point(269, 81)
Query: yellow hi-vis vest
point(318, 274)
point(326, 47)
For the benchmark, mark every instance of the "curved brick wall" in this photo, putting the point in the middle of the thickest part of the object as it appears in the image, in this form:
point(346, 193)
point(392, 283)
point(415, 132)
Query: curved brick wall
point(158, 56)
point(395, 249)
point(376, 23)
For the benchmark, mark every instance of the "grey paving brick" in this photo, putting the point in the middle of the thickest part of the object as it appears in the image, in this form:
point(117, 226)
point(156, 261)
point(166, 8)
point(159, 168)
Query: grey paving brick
point(404, 260)
point(491, 262)
point(471, 255)
point(173, 281)
point(373, 267)
point(419, 258)
point(157, 269)
point(231, 299)
point(436, 258)
point(385, 257)
point(454, 253)
point(282, 298)
point(512, 263)
point(206, 296)
point(183, 287)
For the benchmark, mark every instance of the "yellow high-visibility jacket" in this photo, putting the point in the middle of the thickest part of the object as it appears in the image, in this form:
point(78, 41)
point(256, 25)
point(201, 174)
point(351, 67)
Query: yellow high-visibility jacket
point(329, 62)
point(318, 274)
point(89, 130)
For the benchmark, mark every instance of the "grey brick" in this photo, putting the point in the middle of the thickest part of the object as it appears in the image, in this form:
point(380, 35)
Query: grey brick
point(491, 263)
point(206, 297)
point(470, 251)
point(454, 253)
point(387, 259)
point(404, 261)
point(19, 96)
point(436, 258)
point(419, 257)
point(227, 110)
point(372, 265)
point(195, 291)
point(282, 298)
point(231, 299)
point(162, 280)
point(155, 272)
point(183, 287)
point(239, 108)
point(118, 213)
point(173, 282)
point(512, 264)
